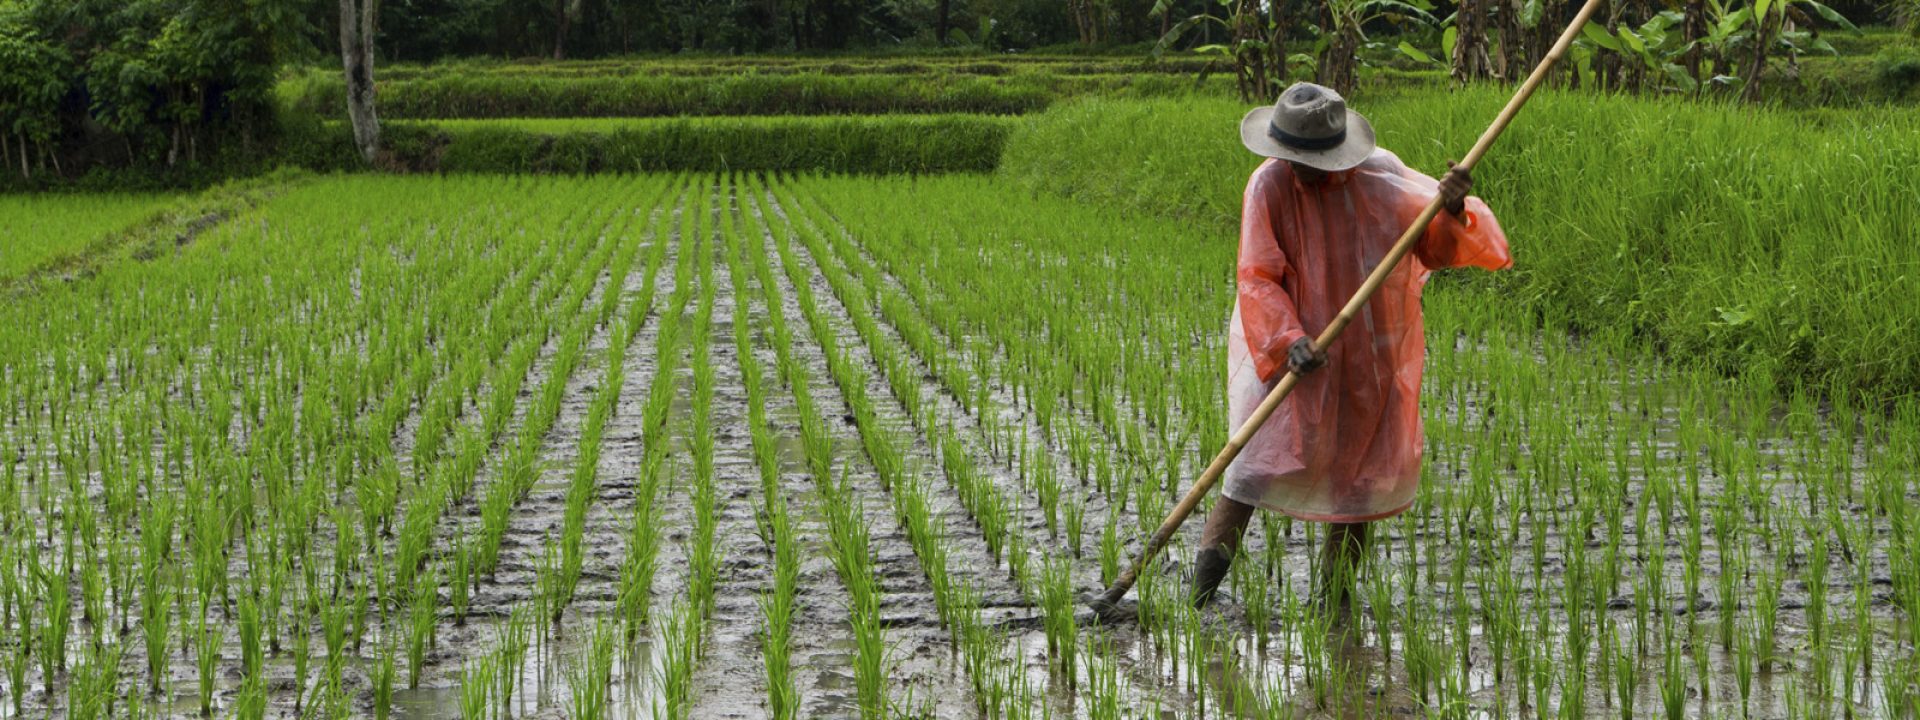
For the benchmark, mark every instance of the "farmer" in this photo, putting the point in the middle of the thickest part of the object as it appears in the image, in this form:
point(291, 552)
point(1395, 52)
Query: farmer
point(1344, 448)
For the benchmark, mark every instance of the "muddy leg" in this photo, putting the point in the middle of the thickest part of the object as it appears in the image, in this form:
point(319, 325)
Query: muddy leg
point(1341, 556)
point(1219, 542)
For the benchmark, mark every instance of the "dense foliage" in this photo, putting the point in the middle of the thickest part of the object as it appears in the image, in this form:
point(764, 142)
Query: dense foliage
point(431, 29)
point(149, 81)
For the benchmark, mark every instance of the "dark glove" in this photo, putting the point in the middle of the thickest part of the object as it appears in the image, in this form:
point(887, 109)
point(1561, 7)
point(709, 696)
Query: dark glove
point(1303, 359)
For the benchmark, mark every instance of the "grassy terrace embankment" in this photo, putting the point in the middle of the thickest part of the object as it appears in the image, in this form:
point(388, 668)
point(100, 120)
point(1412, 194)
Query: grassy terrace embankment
point(1779, 242)
point(40, 230)
point(856, 144)
point(746, 91)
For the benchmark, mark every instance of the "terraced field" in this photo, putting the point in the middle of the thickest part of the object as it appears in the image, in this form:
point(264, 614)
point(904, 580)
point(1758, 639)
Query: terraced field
point(763, 446)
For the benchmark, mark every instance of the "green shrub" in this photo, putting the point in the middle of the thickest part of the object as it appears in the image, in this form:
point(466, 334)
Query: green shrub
point(1897, 68)
point(1726, 235)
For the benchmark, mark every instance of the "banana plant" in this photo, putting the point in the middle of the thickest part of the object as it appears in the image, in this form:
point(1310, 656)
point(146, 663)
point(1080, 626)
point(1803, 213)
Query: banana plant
point(1339, 43)
point(1657, 51)
point(1255, 48)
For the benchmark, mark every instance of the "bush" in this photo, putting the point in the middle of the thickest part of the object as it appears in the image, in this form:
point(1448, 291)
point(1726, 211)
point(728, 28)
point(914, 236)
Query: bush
point(1897, 68)
point(162, 84)
point(882, 144)
point(1735, 237)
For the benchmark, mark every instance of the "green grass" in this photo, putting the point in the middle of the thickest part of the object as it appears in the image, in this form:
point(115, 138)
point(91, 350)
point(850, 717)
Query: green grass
point(39, 230)
point(863, 144)
point(1776, 242)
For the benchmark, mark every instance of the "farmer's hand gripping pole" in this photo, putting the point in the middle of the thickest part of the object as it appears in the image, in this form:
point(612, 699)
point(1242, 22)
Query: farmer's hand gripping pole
point(1108, 603)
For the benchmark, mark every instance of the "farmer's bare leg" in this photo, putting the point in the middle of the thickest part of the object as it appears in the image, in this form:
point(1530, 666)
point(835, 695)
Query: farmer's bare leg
point(1219, 542)
point(1341, 556)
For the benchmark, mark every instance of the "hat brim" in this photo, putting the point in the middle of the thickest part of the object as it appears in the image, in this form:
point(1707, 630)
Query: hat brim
point(1349, 154)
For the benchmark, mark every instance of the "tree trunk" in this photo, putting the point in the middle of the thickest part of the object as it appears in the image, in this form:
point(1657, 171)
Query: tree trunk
point(942, 15)
point(1470, 61)
point(1336, 65)
point(356, 54)
point(1276, 54)
point(1513, 41)
point(560, 22)
point(1762, 38)
point(1691, 31)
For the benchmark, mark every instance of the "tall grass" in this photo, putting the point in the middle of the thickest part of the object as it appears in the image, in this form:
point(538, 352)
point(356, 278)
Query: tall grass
point(1755, 241)
point(864, 144)
point(41, 229)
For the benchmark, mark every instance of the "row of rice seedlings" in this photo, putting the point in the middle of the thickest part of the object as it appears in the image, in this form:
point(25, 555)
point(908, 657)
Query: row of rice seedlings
point(773, 518)
point(449, 479)
point(684, 637)
point(1068, 355)
point(520, 467)
point(1000, 686)
point(473, 558)
point(584, 480)
point(456, 572)
point(1061, 506)
point(990, 684)
point(643, 542)
point(1051, 587)
point(1001, 690)
point(848, 542)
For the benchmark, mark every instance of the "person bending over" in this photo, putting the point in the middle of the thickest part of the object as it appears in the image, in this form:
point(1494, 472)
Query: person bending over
point(1318, 215)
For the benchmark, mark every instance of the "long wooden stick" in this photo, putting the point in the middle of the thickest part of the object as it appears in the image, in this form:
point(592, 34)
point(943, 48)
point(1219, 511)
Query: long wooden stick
point(1332, 332)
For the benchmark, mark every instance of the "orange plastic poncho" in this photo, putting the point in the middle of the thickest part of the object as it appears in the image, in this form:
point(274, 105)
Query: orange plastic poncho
point(1345, 446)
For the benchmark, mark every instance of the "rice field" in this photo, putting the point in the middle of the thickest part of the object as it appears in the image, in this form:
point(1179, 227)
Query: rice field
point(36, 231)
point(696, 445)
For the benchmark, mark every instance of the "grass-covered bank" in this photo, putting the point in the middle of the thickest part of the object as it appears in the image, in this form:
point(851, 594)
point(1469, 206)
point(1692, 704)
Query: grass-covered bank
point(1754, 241)
point(871, 144)
point(43, 228)
point(504, 94)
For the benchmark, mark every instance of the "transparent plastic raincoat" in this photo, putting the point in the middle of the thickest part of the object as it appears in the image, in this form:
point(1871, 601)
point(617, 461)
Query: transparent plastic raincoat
point(1345, 446)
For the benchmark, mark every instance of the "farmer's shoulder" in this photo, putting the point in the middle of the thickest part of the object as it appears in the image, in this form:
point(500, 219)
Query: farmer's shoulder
point(1382, 162)
point(1268, 178)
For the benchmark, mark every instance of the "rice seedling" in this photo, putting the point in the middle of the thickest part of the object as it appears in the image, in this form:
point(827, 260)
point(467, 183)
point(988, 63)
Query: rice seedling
point(477, 683)
point(591, 678)
point(207, 655)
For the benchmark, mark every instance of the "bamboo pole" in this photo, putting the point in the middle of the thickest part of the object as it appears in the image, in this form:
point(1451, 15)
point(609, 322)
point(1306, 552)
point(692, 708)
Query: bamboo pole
point(1107, 602)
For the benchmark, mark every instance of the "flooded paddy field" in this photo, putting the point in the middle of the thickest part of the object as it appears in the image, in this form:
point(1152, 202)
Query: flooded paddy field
point(750, 446)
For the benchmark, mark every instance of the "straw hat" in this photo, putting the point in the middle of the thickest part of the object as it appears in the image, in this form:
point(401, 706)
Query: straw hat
point(1310, 125)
